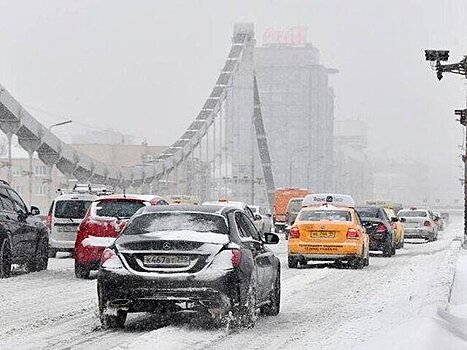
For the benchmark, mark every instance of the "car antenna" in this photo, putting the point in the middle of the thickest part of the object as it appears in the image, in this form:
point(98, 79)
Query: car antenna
point(124, 192)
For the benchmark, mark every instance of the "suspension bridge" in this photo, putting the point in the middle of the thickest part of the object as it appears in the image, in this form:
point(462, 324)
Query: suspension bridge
point(224, 151)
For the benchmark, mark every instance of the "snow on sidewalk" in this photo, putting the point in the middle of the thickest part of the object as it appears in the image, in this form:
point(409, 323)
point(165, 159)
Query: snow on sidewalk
point(446, 327)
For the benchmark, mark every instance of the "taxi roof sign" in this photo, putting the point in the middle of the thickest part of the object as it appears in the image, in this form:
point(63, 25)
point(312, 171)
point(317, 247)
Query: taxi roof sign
point(335, 199)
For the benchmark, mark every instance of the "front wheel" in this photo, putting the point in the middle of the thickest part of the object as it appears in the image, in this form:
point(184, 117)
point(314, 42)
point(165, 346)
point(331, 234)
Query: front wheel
point(5, 259)
point(273, 308)
point(42, 255)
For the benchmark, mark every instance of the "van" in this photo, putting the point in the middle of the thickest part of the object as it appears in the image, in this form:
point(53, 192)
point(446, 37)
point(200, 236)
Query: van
point(65, 214)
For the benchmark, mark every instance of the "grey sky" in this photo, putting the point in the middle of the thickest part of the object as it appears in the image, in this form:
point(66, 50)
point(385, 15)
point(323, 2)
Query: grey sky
point(146, 67)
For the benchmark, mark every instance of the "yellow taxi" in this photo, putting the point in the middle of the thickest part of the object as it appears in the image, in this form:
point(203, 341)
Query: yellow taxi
point(397, 226)
point(328, 228)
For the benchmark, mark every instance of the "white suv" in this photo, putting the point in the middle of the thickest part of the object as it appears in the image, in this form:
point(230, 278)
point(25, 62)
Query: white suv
point(65, 214)
point(419, 223)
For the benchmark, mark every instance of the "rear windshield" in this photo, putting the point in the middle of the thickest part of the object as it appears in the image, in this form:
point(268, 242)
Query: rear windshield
point(332, 215)
point(71, 209)
point(177, 221)
point(412, 213)
point(118, 208)
point(295, 206)
point(369, 212)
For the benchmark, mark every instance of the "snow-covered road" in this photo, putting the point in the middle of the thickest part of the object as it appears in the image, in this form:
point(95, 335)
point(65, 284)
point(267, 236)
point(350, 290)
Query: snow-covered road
point(322, 307)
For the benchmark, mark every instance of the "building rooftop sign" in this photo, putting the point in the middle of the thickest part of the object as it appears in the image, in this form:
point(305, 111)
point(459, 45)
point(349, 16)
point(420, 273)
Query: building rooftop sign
point(295, 36)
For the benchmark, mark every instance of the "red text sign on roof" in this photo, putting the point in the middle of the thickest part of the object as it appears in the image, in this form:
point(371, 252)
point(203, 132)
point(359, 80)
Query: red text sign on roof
point(292, 36)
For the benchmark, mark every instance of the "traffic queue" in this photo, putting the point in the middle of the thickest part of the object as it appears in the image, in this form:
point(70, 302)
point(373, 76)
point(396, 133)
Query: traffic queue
point(212, 259)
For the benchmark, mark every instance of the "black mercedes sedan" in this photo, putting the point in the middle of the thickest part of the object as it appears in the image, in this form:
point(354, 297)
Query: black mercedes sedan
point(207, 259)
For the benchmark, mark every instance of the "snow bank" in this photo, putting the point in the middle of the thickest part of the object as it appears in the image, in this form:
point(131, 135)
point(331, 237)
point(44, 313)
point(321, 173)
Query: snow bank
point(446, 328)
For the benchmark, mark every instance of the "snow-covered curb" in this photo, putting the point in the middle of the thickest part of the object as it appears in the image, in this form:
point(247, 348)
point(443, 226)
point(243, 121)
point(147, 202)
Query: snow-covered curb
point(436, 328)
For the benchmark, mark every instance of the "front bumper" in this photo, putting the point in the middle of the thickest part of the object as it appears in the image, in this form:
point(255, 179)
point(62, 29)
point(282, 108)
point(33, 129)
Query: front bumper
point(123, 290)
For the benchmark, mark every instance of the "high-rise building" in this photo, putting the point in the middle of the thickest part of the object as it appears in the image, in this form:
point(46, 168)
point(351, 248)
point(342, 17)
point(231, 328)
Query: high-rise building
point(298, 110)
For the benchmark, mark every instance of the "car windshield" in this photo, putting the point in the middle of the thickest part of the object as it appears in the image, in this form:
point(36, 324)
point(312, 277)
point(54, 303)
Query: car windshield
point(177, 221)
point(116, 208)
point(412, 213)
point(71, 209)
point(295, 205)
point(331, 215)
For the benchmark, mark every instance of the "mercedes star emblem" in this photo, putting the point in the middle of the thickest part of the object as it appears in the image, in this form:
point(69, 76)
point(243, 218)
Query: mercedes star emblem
point(166, 246)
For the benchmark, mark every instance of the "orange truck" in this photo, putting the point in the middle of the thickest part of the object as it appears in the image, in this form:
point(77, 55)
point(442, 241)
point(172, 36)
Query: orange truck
point(281, 199)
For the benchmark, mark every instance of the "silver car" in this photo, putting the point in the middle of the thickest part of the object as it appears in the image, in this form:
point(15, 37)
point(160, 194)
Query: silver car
point(419, 223)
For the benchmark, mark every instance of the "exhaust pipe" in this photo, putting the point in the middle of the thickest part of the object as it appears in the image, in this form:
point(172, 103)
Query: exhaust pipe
point(120, 303)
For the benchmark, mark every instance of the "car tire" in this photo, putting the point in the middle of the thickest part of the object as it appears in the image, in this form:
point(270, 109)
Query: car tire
point(366, 261)
point(273, 308)
point(292, 262)
point(81, 271)
point(113, 321)
point(356, 263)
point(5, 259)
point(245, 315)
point(42, 255)
point(109, 320)
point(387, 250)
point(52, 253)
point(31, 264)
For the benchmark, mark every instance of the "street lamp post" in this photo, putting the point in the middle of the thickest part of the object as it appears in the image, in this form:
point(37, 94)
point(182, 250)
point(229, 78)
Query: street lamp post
point(435, 57)
point(51, 165)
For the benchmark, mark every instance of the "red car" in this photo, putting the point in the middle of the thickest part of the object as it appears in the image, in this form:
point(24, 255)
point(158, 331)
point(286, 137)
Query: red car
point(103, 222)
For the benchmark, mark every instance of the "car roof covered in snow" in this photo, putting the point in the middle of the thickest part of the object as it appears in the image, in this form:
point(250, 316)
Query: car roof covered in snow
point(208, 209)
point(137, 197)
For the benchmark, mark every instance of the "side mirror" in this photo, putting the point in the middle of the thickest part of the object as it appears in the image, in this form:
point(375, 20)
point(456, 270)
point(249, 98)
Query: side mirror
point(35, 211)
point(271, 238)
point(394, 219)
point(258, 217)
point(402, 219)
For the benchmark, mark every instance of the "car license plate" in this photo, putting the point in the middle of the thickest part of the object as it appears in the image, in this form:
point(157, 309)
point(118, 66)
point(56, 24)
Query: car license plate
point(66, 228)
point(322, 234)
point(166, 260)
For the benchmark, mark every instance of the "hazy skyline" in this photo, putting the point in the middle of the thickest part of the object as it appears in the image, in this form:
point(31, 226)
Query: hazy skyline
point(145, 68)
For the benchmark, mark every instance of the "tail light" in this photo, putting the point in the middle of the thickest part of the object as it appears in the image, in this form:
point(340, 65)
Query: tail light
point(381, 228)
point(236, 257)
point(48, 221)
point(352, 233)
point(106, 255)
point(427, 223)
point(294, 232)
point(110, 260)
